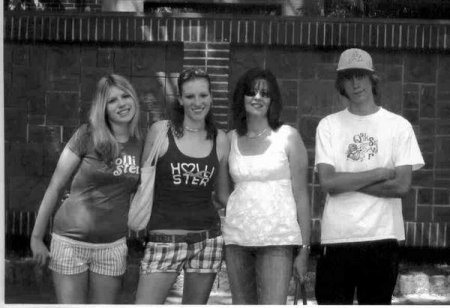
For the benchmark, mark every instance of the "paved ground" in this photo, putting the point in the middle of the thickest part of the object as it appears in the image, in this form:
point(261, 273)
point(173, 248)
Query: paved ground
point(417, 284)
point(27, 285)
point(215, 299)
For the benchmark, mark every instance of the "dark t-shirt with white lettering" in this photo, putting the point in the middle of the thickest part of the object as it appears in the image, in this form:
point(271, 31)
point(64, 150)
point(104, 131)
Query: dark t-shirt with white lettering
point(96, 210)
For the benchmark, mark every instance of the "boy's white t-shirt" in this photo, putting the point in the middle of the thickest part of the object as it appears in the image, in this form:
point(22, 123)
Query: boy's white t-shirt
point(352, 143)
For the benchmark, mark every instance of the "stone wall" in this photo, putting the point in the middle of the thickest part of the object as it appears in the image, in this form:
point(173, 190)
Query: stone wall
point(52, 63)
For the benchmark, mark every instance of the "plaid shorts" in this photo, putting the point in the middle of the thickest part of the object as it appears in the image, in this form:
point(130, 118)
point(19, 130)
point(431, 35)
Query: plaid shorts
point(201, 257)
point(70, 257)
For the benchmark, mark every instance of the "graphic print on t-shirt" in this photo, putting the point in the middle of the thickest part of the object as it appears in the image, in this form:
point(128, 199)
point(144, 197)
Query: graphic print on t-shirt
point(363, 147)
point(190, 174)
point(125, 164)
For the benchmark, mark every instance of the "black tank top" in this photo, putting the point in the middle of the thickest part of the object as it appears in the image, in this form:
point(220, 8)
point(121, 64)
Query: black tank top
point(183, 188)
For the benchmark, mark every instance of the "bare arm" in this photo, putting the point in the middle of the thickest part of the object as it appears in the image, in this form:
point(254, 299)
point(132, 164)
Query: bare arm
point(150, 140)
point(333, 182)
point(396, 187)
point(298, 164)
point(223, 177)
point(67, 163)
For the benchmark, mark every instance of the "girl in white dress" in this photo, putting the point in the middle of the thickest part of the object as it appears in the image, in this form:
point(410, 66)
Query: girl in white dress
point(267, 214)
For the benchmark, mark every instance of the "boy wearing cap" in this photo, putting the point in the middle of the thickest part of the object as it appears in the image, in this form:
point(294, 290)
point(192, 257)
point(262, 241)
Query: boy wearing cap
point(365, 156)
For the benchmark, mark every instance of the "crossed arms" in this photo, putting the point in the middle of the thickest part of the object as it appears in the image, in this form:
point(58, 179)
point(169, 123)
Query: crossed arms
point(379, 182)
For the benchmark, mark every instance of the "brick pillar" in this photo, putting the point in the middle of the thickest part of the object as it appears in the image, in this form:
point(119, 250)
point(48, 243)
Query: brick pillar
point(214, 58)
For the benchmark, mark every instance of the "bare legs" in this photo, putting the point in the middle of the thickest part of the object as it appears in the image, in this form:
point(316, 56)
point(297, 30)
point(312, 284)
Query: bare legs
point(78, 288)
point(153, 288)
point(71, 289)
point(197, 287)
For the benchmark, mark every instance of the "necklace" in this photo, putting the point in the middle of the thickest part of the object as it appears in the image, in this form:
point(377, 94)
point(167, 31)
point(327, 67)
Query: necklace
point(258, 134)
point(193, 130)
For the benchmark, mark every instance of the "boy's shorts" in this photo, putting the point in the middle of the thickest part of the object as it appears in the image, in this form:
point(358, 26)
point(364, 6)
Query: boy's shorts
point(169, 255)
point(70, 257)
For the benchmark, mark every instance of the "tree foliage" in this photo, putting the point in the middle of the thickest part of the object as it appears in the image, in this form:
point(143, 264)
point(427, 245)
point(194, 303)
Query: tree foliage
point(424, 9)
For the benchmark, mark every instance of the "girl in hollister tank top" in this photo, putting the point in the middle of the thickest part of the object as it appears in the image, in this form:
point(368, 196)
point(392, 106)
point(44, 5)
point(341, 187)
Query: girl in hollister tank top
point(184, 228)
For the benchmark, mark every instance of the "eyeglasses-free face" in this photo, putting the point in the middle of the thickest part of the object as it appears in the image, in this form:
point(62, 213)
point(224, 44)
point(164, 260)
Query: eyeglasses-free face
point(196, 99)
point(192, 74)
point(120, 107)
point(358, 87)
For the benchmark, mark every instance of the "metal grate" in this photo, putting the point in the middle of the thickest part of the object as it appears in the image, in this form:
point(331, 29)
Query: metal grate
point(284, 31)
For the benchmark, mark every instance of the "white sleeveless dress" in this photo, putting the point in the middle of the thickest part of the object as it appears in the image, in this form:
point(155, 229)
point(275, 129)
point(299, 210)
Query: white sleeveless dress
point(261, 211)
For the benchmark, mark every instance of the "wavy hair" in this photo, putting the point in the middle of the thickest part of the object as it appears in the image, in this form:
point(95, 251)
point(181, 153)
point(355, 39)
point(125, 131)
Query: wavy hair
point(105, 144)
point(177, 114)
point(246, 83)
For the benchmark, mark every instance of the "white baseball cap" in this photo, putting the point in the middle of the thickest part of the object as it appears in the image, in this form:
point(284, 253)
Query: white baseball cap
point(355, 58)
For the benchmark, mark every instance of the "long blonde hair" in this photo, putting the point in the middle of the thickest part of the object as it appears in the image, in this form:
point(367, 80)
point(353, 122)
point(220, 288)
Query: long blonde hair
point(104, 141)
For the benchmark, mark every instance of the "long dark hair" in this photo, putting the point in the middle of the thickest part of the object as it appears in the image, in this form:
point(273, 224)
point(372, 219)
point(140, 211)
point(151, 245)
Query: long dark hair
point(177, 114)
point(243, 86)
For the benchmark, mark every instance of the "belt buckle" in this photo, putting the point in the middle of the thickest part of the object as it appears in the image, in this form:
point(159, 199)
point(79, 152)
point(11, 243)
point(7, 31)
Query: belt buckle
point(192, 238)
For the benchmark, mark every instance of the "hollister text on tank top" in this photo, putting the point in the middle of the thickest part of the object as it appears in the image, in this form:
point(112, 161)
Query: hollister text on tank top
point(183, 189)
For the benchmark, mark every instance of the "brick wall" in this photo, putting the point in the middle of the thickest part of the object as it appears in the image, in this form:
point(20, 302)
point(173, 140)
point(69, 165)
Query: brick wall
point(52, 63)
point(48, 88)
point(215, 59)
point(411, 85)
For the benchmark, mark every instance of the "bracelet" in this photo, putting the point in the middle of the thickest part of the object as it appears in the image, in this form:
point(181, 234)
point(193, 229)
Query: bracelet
point(306, 246)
